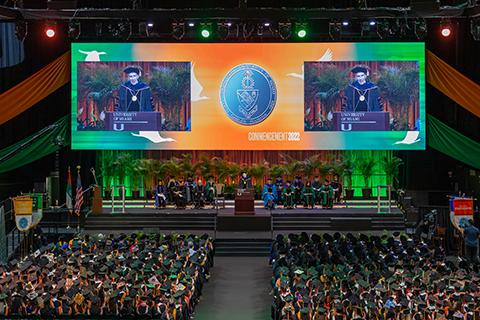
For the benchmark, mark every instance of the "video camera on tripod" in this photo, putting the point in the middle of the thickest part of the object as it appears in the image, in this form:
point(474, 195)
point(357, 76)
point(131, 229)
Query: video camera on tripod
point(432, 226)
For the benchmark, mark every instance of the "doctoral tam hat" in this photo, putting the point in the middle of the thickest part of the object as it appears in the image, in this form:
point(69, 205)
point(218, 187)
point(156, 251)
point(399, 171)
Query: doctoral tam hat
point(358, 69)
point(133, 69)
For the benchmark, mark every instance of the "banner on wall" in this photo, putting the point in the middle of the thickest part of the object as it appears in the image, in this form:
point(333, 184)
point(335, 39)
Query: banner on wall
point(23, 212)
point(257, 96)
point(461, 210)
point(37, 207)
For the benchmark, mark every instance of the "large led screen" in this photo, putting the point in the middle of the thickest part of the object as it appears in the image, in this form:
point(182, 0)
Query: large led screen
point(275, 96)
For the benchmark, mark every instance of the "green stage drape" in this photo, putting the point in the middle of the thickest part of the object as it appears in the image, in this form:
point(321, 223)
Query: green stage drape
point(456, 145)
point(36, 146)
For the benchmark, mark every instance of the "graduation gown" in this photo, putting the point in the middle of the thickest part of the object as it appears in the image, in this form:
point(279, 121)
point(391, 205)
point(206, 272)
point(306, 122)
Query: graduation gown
point(288, 196)
point(316, 186)
point(160, 194)
point(181, 196)
point(269, 193)
point(131, 98)
point(298, 185)
point(171, 188)
point(191, 184)
point(307, 196)
point(327, 195)
point(211, 191)
point(280, 185)
point(337, 185)
point(199, 196)
point(245, 183)
point(360, 98)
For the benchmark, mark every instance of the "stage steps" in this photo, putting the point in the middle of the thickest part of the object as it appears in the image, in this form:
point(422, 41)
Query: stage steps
point(161, 221)
point(242, 247)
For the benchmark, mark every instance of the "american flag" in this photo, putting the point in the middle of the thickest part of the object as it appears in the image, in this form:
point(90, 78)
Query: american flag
point(79, 195)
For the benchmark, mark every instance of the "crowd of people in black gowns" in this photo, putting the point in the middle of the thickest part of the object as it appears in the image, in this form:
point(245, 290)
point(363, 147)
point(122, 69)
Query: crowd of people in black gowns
point(146, 276)
point(383, 277)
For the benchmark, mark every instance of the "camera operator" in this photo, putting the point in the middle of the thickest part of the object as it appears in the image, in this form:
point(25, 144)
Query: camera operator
point(472, 235)
point(422, 229)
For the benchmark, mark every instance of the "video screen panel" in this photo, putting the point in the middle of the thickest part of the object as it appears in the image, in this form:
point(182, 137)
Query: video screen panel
point(275, 96)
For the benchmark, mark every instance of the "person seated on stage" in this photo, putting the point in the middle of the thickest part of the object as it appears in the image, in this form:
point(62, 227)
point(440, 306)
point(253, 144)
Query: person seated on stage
point(316, 186)
point(199, 195)
point(307, 195)
point(279, 184)
point(160, 194)
point(211, 191)
point(298, 185)
point(181, 195)
point(337, 188)
point(327, 195)
point(171, 188)
point(245, 182)
point(191, 184)
point(288, 195)
point(269, 194)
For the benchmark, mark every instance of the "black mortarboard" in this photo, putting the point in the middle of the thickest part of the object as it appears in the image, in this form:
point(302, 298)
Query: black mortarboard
point(133, 69)
point(358, 69)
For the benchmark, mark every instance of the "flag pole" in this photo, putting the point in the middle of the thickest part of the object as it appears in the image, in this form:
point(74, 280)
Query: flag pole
point(69, 183)
point(80, 209)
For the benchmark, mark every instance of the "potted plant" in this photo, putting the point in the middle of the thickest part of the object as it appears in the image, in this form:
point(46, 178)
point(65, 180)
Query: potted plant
point(348, 166)
point(391, 168)
point(136, 176)
point(147, 170)
point(108, 172)
point(123, 167)
point(258, 171)
point(366, 166)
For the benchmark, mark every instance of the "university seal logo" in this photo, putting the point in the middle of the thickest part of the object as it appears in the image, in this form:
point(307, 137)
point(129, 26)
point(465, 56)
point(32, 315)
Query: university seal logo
point(248, 94)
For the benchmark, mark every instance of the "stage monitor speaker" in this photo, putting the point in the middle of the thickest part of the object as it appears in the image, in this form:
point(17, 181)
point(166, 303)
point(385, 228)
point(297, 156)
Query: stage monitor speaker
point(40, 187)
point(97, 206)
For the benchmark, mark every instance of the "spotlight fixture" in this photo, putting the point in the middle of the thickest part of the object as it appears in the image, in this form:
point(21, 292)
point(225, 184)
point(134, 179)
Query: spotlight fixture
point(98, 28)
point(206, 30)
point(285, 30)
point(475, 29)
point(301, 30)
point(50, 28)
point(191, 24)
point(421, 29)
point(445, 28)
point(222, 30)
point(21, 29)
point(260, 27)
point(383, 29)
point(74, 30)
point(335, 30)
point(178, 30)
point(244, 29)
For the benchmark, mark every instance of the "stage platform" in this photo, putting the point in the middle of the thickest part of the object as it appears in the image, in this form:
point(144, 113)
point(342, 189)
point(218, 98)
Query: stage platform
point(357, 215)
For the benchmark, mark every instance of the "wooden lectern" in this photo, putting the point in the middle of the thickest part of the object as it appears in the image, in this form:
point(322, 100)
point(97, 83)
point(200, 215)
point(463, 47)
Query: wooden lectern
point(244, 202)
point(97, 202)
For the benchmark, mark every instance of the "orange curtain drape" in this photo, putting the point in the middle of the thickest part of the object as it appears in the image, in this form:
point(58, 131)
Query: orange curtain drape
point(452, 83)
point(35, 88)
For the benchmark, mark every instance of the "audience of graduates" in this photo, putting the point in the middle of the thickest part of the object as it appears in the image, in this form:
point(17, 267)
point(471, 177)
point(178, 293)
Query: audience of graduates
point(146, 276)
point(370, 277)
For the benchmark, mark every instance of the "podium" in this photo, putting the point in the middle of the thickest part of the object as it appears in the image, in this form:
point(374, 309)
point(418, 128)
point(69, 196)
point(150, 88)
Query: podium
point(244, 202)
point(133, 121)
point(361, 121)
point(97, 202)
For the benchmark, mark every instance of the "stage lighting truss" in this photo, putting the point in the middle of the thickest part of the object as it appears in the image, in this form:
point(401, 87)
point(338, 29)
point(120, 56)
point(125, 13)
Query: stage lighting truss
point(125, 30)
point(223, 30)
point(446, 27)
point(21, 30)
point(335, 30)
point(50, 28)
point(284, 30)
point(383, 29)
point(421, 29)
point(178, 30)
point(475, 29)
point(74, 30)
